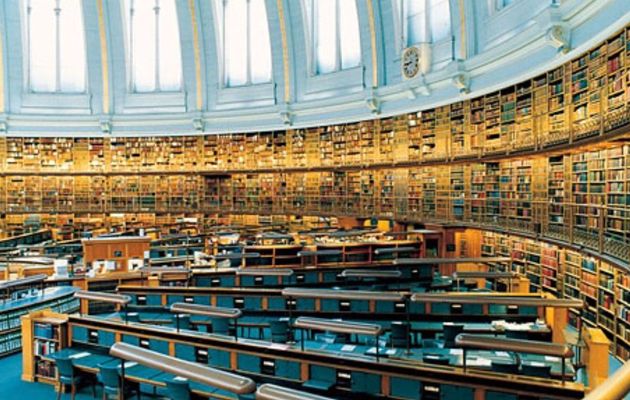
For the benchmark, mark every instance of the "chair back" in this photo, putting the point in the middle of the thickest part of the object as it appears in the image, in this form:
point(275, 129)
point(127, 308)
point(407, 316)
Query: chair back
point(178, 389)
point(400, 334)
point(279, 330)
point(184, 321)
point(133, 317)
point(541, 371)
point(221, 326)
point(109, 376)
point(400, 330)
point(450, 332)
point(65, 367)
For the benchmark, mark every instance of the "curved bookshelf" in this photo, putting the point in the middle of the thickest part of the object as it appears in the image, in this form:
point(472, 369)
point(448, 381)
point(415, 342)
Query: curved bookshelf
point(547, 158)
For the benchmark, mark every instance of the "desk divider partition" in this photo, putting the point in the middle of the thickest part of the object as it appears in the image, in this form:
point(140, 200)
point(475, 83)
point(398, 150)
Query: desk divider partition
point(190, 370)
point(368, 273)
point(486, 275)
point(269, 391)
point(162, 272)
point(252, 271)
point(209, 311)
point(28, 281)
point(559, 319)
point(292, 293)
point(341, 294)
point(119, 300)
point(339, 326)
point(467, 341)
point(394, 250)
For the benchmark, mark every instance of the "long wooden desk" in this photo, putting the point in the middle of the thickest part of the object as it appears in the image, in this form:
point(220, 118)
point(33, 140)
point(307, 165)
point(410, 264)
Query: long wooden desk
point(392, 376)
point(272, 302)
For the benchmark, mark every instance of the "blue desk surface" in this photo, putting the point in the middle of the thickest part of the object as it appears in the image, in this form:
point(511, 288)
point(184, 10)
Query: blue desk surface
point(479, 359)
point(83, 358)
point(166, 320)
point(196, 387)
point(48, 294)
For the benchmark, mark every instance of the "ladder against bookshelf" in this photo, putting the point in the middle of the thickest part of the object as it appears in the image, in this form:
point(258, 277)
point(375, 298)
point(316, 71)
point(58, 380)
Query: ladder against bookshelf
point(43, 333)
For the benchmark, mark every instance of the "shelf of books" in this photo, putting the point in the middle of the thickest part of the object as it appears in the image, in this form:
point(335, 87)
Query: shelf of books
point(556, 192)
point(414, 192)
point(581, 197)
point(622, 295)
point(585, 96)
point(57, 299)
point(44, 333)
point(605, 289)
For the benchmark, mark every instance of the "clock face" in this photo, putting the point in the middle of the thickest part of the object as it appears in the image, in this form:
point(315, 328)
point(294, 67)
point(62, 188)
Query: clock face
point(411, 62)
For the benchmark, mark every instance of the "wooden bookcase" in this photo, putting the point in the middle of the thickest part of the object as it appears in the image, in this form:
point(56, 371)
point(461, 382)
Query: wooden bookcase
point(43, 333)
point(542, 157)
point(565, 273)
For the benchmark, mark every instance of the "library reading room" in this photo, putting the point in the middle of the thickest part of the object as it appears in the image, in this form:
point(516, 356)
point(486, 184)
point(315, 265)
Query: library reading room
point(315, 199)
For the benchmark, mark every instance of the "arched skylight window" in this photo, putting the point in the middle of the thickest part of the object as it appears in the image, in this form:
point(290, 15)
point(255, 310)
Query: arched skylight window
point(153, 45)
point(246, 46)
point(423, 21)
point(55, 46)
point(334, 26)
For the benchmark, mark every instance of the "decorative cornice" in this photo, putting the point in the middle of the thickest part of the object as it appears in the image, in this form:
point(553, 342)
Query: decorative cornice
point(524, 55)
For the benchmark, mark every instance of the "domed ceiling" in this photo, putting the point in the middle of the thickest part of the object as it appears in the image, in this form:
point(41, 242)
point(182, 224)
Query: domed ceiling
point(154, 67)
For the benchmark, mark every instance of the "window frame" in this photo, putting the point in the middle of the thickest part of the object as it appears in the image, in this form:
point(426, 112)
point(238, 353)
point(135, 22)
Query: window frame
point(223, 72)
point(311, 31)
point(127, 25)
point(401, 23)
point(25, 23)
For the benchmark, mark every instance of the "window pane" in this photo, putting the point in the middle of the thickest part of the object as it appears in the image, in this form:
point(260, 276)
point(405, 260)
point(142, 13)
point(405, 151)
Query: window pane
point(143, 47)
point(260, 48)
point(42, 46)
point(440, 20)
point(398, 17)
point(235, 26)
point(325, 34)
point(170, 52)
point(416, 21)
point(72, 47)
point(349, 34)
